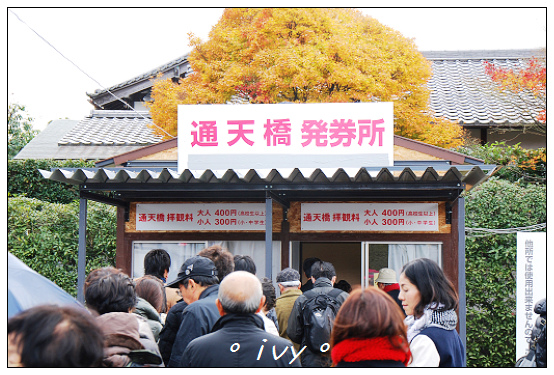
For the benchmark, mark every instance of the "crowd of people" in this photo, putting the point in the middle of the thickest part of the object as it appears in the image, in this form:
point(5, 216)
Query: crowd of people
point(218, 313)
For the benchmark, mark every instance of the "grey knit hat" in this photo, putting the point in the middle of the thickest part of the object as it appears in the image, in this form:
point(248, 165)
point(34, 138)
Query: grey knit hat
point(289, 277)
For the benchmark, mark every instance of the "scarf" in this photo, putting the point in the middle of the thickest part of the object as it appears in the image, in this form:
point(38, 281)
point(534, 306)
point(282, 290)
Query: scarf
point(445, 319)
point(377, 348)
point(391, 287)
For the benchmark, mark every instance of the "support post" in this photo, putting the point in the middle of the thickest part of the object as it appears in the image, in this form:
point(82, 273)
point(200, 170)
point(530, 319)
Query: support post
point(268, 235)
point(81, 258)
point(285, 240)
point(462, 309)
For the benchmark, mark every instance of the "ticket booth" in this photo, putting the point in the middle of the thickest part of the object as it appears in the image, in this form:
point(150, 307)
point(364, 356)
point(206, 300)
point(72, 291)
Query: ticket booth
point(360, 211)
point(357, 221)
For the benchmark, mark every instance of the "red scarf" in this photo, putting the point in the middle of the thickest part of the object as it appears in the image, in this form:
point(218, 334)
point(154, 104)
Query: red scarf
point(388, 288)
point(378, 348)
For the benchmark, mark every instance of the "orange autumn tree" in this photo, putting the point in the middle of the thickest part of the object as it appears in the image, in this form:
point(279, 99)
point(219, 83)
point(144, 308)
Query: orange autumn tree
point(313, 55)
point(525, 89)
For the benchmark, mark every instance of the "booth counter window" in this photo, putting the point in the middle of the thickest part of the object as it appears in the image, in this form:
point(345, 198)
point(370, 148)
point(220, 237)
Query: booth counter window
point(397, 255)
point(178, 251)
point(181, 251)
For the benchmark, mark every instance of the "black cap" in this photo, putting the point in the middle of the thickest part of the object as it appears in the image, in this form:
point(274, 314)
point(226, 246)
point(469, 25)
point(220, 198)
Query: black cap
point(195, 266)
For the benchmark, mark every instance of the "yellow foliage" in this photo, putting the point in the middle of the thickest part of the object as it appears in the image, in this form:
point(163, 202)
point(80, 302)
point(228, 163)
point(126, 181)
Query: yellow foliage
point(307, 55)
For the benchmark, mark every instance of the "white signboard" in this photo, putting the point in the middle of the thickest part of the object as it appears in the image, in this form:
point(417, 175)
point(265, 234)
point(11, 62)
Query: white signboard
point(201, 216)
point(393, 217)
point(531, 285)
point(268, 136)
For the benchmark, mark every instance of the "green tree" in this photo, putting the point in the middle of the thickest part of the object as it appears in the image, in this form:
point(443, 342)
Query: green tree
point(516, 163)
point(20, 129)
point(45, 236)
point(491, 266)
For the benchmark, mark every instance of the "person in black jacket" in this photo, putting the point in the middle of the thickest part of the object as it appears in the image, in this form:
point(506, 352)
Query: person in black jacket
point(323, 278)
point(539, 332)
point(238, 338)
point(307, 267)
point(170, 329)
point(199, 285)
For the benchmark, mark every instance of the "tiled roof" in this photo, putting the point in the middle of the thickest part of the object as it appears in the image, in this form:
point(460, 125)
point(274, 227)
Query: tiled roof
point(170, 66)
point(111, 128)
point(461, 91)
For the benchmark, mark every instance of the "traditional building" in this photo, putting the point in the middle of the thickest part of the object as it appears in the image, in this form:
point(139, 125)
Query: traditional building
point(460, 91)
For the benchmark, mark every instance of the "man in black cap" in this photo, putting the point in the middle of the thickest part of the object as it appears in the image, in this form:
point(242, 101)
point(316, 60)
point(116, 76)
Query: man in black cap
point(199, 286)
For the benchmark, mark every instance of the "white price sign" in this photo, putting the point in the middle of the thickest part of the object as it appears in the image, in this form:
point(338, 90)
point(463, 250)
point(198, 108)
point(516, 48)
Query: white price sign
point(201, 216)
point(393, 217)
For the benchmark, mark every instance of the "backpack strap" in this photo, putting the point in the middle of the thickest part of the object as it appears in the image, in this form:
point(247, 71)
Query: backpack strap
point(335, 292)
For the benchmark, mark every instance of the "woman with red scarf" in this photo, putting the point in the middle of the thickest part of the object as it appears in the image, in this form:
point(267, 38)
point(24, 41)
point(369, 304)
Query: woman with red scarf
point(369, 331)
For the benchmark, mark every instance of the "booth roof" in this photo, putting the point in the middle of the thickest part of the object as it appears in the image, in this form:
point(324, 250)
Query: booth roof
point(312, 183)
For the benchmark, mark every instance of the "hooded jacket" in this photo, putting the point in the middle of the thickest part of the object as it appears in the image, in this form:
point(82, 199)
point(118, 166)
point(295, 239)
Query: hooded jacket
point(295, 329)
point(147, 311)
point(198, 319)
point(125, 333)
point(239, 340)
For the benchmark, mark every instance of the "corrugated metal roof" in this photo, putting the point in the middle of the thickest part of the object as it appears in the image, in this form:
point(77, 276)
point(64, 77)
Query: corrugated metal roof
point(270, 178)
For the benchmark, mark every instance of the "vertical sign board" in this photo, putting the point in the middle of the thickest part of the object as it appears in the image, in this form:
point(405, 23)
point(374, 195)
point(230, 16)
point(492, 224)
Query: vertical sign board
point(271, 136)
point(531, 285)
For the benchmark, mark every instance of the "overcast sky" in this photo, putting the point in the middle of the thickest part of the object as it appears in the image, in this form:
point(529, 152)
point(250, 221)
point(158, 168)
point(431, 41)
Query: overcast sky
point(112, 45)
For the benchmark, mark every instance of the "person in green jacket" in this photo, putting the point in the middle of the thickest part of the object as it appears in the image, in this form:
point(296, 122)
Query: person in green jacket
point(288, 281)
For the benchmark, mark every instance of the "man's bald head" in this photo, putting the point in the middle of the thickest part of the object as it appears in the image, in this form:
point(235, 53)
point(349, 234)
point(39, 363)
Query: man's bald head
point(240, 292)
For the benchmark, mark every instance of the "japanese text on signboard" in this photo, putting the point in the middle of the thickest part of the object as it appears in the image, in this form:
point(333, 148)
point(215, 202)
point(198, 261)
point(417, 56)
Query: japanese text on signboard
point(278, 132)
point(531, 285)
point(529, 303)
point(370, 216)
point(285, 136)
point(208, 216)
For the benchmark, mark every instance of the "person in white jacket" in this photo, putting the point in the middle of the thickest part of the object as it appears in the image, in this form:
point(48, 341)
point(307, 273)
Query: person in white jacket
point(430, 302)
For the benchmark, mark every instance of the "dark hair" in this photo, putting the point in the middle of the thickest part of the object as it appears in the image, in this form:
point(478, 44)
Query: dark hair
point(343, 285)
point(307, 265)
point(200, 280)
point(245, 263)
point(269, 293)
point(56, 336)
point(323, 269)
point(367, 314)
point(432, 284)
point(222, 259)
point(152, 290)
point(109, 290)
point(156, 262)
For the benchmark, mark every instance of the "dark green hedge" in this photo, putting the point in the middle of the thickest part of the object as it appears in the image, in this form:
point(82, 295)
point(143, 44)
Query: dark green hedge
point(491, 267)
point(45, 237)
point(24, 179)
